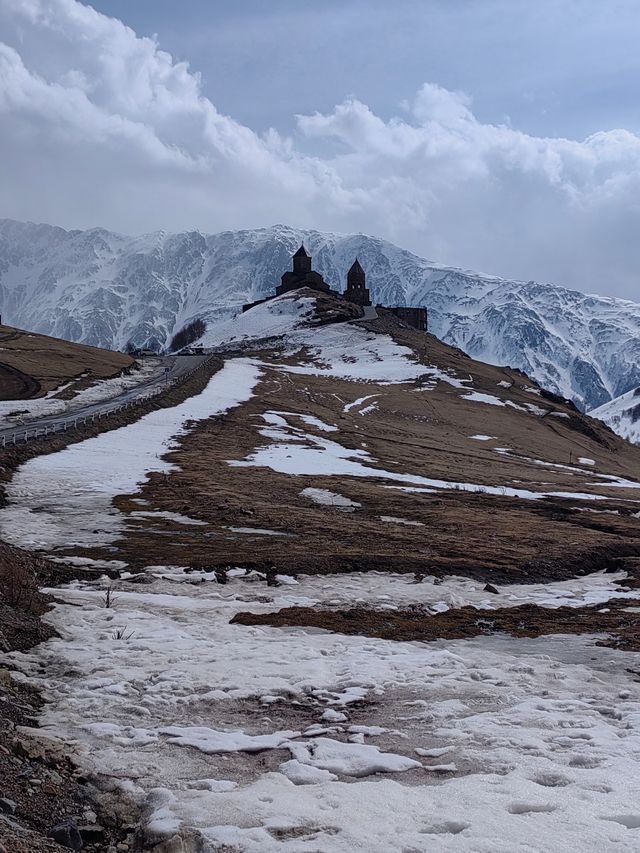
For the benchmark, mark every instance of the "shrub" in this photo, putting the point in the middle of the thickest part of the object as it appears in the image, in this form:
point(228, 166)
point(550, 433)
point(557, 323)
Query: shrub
point(188, 334)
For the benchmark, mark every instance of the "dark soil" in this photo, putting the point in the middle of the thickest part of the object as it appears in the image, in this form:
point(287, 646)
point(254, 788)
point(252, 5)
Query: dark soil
point(41, 783)
point(16, 385)
point(615, 618)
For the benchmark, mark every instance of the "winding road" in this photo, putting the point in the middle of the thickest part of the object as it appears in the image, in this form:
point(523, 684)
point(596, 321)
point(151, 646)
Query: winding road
point(176, 368)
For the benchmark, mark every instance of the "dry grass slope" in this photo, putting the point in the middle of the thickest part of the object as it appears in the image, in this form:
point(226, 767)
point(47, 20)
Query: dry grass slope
point(32, 365)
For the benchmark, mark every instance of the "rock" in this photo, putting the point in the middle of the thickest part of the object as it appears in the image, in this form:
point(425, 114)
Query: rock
point(55, 777)
point(92, 833)
point(172, 845)
point(67, 835)
point(28, 748)
point(7, 806)
point(5, 674)
point(491, 588)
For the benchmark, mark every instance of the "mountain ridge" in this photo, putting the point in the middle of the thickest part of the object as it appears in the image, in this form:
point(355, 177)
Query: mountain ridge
point(100, 287)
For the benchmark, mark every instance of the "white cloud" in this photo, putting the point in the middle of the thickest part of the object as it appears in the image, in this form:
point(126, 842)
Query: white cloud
point(100, 126)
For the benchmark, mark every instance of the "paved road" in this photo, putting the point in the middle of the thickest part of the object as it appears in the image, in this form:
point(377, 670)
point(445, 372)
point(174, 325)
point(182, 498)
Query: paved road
point(178, 366)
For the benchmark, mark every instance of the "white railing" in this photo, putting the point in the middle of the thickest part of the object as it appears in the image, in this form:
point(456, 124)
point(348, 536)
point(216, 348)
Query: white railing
point(26, 434)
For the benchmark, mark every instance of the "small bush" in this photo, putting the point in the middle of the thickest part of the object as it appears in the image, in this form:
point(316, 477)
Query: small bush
point(188, 334)
point(109, 597)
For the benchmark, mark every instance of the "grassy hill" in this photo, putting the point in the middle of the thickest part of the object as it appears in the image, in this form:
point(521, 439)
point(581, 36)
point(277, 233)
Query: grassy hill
point(33, 365)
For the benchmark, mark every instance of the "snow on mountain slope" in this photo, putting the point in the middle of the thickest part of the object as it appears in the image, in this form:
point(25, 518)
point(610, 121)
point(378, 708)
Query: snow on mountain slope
point(106, 289)
point(622, 415)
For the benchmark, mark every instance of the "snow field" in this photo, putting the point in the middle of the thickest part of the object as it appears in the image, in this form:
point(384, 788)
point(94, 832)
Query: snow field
point(292, 450)
point(51, 496)
point(277, 317)
point(341, 350)
point(294, 740)
point(491, 744)
point(621, 414)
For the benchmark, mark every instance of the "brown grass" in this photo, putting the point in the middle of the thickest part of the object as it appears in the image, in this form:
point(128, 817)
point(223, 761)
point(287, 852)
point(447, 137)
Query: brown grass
point(616, 618)
point(52, 362)
point(424, 432)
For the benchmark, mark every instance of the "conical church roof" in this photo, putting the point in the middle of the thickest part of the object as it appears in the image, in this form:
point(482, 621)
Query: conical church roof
point(302, 252)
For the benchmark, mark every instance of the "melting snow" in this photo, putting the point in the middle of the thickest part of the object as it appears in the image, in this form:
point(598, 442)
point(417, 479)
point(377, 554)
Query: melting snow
point(295, 452)
point(358, 402)
point(51, 495)
point(392, 519)
point(540, 736)
point(324, 496)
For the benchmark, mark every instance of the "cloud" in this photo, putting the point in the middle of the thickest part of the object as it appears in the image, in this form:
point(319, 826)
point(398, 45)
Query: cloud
point(102, 127)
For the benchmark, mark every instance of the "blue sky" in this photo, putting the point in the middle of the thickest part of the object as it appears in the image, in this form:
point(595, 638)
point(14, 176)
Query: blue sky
point(497, 135)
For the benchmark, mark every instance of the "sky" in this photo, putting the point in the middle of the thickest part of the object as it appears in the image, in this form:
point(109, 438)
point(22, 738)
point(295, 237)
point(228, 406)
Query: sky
point(497, 135)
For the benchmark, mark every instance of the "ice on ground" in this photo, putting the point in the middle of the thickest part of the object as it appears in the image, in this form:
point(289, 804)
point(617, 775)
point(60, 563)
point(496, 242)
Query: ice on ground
point(358, 402)
point(305, 774)
point(178, 517)
point(343, 350)
point(279, 316)
point(349, 759)
point(212, 742)
point(310, 420)
point(478, 397)
point(536, 410)
point(481, 437)
point(90, 562)
point(257, 531)
point(51, 495)
point(524, 744)
point(584, 460)
point(346, 351)
point(328, 498)
point(368, 409)
point(392, 519)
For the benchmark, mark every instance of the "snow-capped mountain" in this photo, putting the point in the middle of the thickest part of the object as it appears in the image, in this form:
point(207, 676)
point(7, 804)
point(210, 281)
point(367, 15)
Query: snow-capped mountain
point(105, 289)
point(622, 415)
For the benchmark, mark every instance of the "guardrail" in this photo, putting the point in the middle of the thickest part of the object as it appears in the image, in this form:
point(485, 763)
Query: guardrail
point(75, 422)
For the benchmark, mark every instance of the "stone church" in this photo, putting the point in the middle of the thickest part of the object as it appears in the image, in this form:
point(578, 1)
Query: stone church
point(357, 285)
point(302, 275)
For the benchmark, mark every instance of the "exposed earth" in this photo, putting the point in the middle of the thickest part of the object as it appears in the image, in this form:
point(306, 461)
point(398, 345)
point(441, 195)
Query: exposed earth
point(326, 582)
point(32, 365)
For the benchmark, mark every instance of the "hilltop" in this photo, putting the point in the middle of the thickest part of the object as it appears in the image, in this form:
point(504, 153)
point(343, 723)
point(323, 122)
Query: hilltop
point(106, 289)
